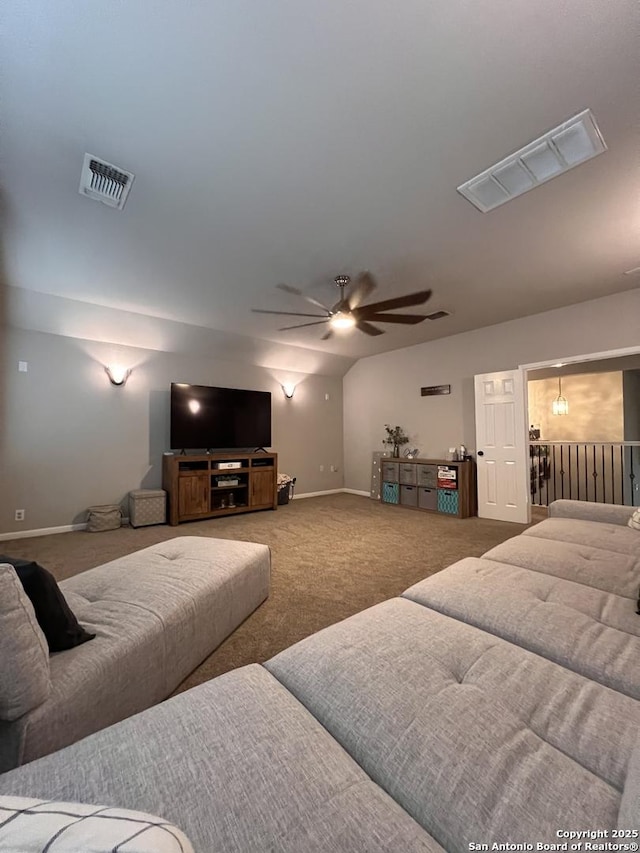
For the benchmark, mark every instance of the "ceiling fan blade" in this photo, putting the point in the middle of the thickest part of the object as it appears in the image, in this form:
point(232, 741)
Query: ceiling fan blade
point(286, 313)
point(408, 319)
point(289, 289)
point(296, 292)
point(398, 302)
point(368, 329)
point(364, 286)
point(302, 325)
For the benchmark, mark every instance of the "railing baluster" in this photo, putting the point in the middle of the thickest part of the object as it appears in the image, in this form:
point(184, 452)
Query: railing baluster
point(610, 471)
point(613, 478)
point(586, 478)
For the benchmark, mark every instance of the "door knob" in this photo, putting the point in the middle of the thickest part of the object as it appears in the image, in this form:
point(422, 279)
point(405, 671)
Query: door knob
point(481, 453)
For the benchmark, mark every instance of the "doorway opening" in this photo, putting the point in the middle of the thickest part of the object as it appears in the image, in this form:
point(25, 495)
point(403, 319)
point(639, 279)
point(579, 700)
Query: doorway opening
point(587, 445)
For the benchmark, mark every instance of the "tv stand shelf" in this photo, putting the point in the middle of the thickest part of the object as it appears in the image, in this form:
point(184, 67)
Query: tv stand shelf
point(196, 488)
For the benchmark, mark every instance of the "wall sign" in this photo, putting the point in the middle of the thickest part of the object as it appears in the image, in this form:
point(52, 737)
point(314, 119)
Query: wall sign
point(435, 390)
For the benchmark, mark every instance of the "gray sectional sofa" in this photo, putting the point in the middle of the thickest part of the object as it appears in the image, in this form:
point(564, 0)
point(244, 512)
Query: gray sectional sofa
point(486, 705)
point(156, 613)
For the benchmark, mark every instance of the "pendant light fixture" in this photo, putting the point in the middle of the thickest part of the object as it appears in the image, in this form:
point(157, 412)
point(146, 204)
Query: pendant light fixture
point(560, 405)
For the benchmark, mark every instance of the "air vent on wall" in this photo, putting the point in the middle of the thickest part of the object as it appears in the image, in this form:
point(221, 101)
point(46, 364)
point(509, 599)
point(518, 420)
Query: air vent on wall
point(437, 315)
point(105, 182)
point(571, 143)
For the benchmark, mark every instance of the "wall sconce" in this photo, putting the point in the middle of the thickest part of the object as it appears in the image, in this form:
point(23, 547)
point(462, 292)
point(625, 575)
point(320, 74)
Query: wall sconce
point(117, 375)
point(288, 388)
point(560, 405)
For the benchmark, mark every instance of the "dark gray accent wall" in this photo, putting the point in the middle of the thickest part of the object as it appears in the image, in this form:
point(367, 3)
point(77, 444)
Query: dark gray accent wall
point(631, 414)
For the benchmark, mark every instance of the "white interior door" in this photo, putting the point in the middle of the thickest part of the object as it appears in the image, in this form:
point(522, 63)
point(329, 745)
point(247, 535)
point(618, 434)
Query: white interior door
point(501, 446)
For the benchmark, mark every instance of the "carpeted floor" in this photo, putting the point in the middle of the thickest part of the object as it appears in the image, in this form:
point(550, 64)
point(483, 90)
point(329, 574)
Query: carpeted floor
point(331, 556)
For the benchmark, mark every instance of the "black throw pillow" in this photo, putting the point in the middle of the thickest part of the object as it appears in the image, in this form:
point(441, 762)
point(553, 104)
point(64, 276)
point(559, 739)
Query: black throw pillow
point(55, 617)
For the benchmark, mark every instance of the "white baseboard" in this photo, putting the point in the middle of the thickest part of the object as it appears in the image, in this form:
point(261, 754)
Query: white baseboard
point(318, 494)
point(44, 531)
point(49, 531)
point(333, 492)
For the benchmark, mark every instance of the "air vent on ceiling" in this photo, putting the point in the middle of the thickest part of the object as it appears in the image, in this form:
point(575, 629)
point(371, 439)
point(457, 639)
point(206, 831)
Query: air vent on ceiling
point(571, 143)
point(105, 182)
point(438, 315)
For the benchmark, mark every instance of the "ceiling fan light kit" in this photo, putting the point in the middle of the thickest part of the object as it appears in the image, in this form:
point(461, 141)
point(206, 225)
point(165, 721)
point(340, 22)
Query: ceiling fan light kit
point(341, 320)
point(348, 312)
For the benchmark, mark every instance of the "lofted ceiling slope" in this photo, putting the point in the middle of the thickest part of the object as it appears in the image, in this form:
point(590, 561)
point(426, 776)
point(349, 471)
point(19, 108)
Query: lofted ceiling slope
point(291, 141)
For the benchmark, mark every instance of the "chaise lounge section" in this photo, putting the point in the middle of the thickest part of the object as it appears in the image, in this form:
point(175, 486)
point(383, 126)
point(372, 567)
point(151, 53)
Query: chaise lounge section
point(157, 614)
point(400, 728)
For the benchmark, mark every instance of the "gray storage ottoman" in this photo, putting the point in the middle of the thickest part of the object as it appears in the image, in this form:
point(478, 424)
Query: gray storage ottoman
point(147, 506)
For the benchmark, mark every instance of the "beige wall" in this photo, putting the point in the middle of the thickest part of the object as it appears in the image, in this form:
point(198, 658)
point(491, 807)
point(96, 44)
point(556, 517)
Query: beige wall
point(70, 439)
point(595, 407)
point(386, 388)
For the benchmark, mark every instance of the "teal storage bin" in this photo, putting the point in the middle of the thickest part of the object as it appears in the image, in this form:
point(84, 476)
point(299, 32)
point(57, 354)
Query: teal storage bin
point(391, 493)
point(448, 501)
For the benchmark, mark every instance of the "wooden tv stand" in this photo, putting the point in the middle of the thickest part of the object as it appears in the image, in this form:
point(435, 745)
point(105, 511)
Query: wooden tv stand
point(199, 488)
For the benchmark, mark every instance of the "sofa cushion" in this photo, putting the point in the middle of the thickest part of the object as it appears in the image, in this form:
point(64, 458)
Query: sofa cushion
point(592, 632)
point(31, 826)
point(55, 617)
point(239, 765)
point(634, 521)
point(24, 655)
point(476, 738)
point(590, 511)
point(609, 537)
point(611, 571)
point(97, 684)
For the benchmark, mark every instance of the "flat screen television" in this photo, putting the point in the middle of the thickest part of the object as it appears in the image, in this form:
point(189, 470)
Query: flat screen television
point(205, 417)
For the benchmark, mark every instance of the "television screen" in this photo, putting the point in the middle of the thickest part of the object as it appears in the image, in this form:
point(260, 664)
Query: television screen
point(204, 417)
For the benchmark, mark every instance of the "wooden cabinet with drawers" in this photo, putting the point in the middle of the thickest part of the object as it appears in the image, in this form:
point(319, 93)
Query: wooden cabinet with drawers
point(434, 485)
point(206, 486)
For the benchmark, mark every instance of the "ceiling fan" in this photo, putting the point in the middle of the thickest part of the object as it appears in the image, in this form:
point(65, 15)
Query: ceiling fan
point(348, 312)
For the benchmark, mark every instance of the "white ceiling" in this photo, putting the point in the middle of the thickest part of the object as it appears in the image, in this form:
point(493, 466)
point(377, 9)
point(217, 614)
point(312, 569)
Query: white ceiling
point(290, 141)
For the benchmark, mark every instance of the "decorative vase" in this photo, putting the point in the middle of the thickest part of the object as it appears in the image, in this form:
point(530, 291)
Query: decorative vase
point(396, 450)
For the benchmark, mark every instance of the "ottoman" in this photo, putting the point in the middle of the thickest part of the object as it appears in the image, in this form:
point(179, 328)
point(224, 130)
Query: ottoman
point(147, 506)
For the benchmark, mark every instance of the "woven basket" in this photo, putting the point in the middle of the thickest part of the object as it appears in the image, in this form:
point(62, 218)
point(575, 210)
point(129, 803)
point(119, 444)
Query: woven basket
point(107, 517)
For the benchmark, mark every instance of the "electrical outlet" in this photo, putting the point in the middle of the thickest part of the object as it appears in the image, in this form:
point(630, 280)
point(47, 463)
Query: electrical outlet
point(19, 515)
point(23, 366)
point(334, 468)
point(321, 468)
